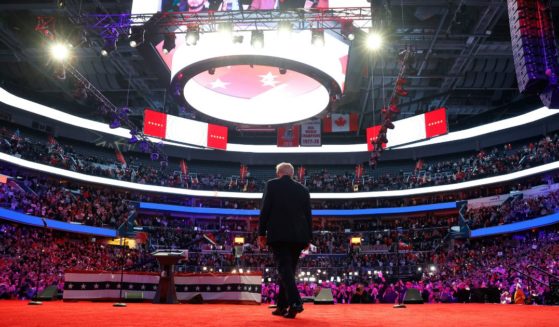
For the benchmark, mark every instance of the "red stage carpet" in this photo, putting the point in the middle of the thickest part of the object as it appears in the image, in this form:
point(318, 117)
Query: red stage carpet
point(81, 314)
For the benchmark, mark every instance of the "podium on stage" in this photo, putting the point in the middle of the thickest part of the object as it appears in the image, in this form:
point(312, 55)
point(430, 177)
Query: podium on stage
point(166, 293)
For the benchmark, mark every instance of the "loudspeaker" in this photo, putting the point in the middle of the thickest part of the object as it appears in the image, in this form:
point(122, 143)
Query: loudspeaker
point(307, 299)
point(134, 296)
point(48, 294)
point(196, 299)
point(413, 296)
point(324, 297)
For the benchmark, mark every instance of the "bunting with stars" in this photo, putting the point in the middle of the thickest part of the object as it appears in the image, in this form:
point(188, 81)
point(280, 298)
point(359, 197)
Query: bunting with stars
point(90, 285)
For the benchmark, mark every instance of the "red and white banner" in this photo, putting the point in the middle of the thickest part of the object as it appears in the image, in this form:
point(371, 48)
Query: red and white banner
point(288, 136)
point(220, 287)
point(185, 130)
point(311, 134)
point(412, 129)
point(341, 123)
point(184, 167)
point(436, 123)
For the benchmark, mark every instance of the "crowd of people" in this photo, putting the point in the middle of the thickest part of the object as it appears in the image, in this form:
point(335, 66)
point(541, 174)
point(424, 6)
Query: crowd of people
point(25, 250)
point(513, 210)
point(449, 273)
point(417, 247)
point(426, 172)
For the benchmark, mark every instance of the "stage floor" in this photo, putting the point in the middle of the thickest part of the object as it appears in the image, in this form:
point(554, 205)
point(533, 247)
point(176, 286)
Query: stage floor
point(18, 313)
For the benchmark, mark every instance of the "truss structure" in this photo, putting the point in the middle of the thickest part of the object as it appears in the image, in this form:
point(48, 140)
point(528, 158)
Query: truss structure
point(240, 20)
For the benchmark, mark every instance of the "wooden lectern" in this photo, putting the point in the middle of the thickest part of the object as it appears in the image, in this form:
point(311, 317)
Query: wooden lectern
point(166, 293)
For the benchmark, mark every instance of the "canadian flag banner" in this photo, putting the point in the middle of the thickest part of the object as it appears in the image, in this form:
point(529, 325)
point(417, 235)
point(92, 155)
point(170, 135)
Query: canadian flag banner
point(341, 123)
point(185, 130)
point(288, 136)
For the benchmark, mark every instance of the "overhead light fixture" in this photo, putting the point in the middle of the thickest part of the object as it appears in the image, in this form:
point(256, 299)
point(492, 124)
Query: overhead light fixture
point(348, 30)
point(284, 30)
point(137, 36)
point(225, 30)
point(192, 35)
point(169, 42)
point(317, 37)
point(374, 40)
point(108, 47)
point(257, 39)
point(60, 51)
point(238, 39)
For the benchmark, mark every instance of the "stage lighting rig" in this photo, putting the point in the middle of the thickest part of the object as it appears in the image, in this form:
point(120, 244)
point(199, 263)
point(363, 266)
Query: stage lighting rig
point(374, 40)
point(348, 30)
point(192, 35)
point(60, 51)
point(137, 36)
point(169, 42)
point(257, 39)
point(108, 47)
point(284, 30)
point(317, 37)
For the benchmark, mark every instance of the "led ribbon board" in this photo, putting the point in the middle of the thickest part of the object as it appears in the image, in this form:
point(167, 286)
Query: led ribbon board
point(516, 227)
point(66, 118)
point(242, 195)
point(21, 218)
point(316, 212)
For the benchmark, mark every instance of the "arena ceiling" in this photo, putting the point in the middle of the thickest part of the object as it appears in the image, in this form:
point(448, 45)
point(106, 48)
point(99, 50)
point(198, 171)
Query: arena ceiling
point(464, 62)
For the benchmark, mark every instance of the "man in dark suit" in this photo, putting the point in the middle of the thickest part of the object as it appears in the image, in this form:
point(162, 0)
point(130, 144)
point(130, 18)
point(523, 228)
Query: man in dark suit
point(286, 227)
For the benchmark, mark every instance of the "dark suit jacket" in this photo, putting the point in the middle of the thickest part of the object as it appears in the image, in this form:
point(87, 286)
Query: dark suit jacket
point(286, 212)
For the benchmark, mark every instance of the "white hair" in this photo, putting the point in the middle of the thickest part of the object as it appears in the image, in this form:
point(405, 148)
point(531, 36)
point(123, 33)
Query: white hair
point(285, 168)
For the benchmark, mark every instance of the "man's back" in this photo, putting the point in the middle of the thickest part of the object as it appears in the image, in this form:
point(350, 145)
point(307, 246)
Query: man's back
point(286, 212)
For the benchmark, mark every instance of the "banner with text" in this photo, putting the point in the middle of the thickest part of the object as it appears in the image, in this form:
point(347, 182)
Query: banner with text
point(311, 134)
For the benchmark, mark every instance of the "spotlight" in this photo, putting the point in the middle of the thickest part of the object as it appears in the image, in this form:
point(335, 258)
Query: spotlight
point(169, 42)
point(136, 36)
point(238, 39)
point(110, 46)
point(226, 30)
point(257, 39)
point(60, 3)
point(284, 30)
point(211, 71)
point(374, 40)
point(347, 29)
point(60, 51)
point(317, 37)
point(282, 71)
point(192, 35)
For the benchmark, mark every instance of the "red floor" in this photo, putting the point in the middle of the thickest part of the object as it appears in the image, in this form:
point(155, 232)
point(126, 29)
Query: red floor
point(81, 314)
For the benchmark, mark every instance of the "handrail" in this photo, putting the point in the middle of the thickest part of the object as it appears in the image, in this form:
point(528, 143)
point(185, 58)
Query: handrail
point(543, 271)
point(530, 277)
